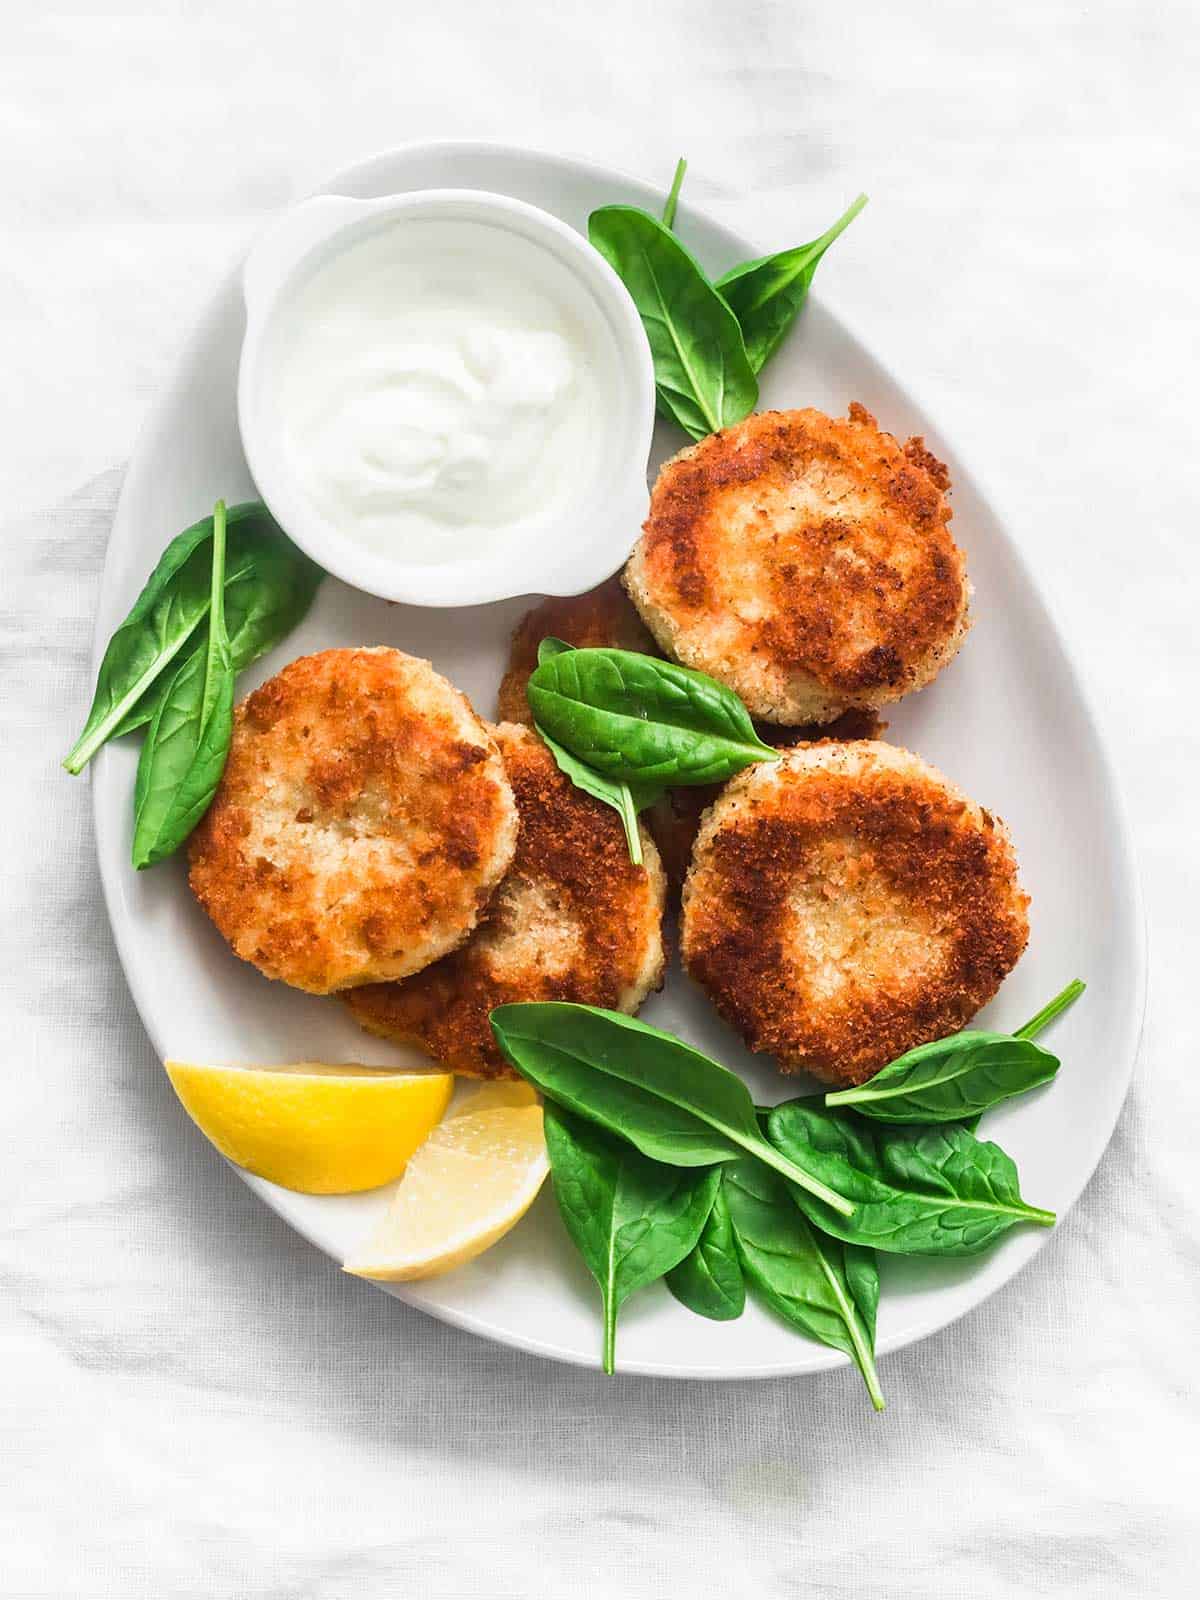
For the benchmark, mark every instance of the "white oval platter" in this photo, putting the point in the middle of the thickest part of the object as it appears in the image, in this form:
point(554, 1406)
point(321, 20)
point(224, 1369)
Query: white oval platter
point(1008, 720)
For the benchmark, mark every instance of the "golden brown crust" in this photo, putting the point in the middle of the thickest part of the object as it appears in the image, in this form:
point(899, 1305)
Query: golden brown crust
point(362, 822)
point(848, 904)
point(675, 819)
point(805, 561)
point(603, 617)
point(573, 920)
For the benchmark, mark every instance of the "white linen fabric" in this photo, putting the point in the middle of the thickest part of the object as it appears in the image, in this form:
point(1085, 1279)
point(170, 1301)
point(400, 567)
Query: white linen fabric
point(192, 1401)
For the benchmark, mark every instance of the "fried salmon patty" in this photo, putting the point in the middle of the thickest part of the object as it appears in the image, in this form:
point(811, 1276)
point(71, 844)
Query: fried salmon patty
point(805, 562)
point(602, 618)
point(848, 903)
point(363, 821)
point(573, 920)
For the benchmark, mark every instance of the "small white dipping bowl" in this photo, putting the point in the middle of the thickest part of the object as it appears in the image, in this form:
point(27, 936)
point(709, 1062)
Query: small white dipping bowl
point(555, 554)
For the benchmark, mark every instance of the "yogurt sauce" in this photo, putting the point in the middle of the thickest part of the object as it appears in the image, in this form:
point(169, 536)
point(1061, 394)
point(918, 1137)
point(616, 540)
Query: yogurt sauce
point(438, 387)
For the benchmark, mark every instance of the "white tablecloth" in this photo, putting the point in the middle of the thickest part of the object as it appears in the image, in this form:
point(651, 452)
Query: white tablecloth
point(193, 1402)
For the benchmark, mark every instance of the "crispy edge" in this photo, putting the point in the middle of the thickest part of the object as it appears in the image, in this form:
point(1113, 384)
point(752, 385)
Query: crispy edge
point(675, 819)
point(238, 894)
point(933, 845)
point(667, 573)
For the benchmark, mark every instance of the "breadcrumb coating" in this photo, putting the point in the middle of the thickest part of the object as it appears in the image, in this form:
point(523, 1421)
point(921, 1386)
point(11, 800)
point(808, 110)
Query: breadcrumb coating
point(848, 903)
point(804, 561)
point(675, 819)
point(362, 823)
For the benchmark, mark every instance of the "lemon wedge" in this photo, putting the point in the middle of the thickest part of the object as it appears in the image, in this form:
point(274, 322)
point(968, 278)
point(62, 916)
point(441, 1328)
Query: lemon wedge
point(316, 1128)
point(469, 1183)
point(488, 1096)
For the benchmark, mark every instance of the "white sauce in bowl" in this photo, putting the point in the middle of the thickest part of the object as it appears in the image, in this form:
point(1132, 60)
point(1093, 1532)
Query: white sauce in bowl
point(439, 386)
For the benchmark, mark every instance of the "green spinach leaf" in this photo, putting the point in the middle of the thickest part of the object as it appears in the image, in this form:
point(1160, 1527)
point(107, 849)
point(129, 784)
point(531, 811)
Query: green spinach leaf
point(643, 721)
point(674, 1104)
point(702, 373)
point(827, 1289)
point(632, 1220)
point(951, 1079)
point(133, 675)
point(958, 1078)
point(766, 295)
point(915, 1191)
point(626, 799)
point(672, 204)
point(269, 587)
point(171, 605)
point(709, 1279)
point(185, 750)
point(549, 647)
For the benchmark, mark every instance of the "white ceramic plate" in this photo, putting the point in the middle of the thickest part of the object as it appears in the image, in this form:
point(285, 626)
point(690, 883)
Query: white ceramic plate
point(1007, 720)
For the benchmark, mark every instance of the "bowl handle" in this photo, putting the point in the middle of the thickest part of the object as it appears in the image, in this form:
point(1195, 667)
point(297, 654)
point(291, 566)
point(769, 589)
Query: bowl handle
point(277, 250)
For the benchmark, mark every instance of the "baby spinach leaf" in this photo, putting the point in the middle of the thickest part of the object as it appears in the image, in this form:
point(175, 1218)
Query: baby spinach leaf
point(171, 605)
point(766, 295)
point(643, 721)
point(827, 1289)
point(625, 799)
point(632, 1220)
point(951, 1079)
point(702, 373)
point(269, 587)
point(674, 1104)
point(709, 1279)
point(916, 1191)
point(174, 602)
point(185, 750)
point(549, 647)
point(958, 1078)
point(672, 204)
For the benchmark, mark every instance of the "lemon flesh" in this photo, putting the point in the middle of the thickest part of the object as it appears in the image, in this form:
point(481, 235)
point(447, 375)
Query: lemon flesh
point(490, 1096)
point(311, 1127)
point(470, 1182)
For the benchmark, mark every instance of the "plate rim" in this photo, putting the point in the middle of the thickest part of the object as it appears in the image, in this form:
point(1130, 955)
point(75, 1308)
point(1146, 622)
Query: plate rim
point(816, 1358)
